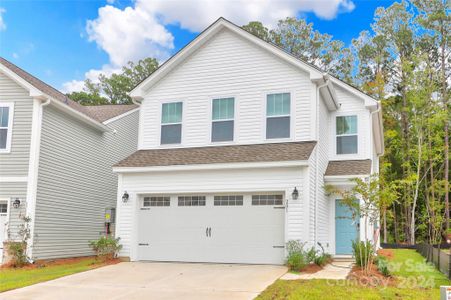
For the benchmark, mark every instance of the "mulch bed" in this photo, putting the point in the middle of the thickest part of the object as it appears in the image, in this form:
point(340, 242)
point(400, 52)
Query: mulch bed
point(372, 278)
point(388, 253)
point(311, 268)
point(61, 261)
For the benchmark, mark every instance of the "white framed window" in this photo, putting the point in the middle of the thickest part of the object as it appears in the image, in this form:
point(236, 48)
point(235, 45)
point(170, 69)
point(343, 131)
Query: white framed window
point(228, 200)
point(278, 115)
point(191, 200)
point(6, 126)
point(268, 199)
point(223, 115)
point(346, 134)
point(156, 201)
point(171, 123)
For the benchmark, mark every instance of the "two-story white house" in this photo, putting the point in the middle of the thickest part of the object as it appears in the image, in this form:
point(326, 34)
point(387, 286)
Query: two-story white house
point(236, 142)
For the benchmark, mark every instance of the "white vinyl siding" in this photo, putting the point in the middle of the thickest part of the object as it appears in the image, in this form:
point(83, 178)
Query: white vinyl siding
point(6, 126)
point(223, 114)
point(171, 123)
point(228, 66)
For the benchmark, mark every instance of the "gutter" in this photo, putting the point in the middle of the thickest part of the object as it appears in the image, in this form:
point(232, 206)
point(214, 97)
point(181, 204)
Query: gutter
point(381, 128)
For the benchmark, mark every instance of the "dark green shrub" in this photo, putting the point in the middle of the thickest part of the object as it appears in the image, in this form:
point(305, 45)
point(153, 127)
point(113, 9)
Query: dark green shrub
point(382, 265)
point(106, 247)
point(363, 253)
point(310, 255)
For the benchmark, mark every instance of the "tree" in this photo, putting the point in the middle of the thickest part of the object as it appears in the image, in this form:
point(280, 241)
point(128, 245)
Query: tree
point(115, 87)
point(298, 38)
point(434, 17)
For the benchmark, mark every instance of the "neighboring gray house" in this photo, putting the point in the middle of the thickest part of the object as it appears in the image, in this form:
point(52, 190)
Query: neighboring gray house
point(56, 160)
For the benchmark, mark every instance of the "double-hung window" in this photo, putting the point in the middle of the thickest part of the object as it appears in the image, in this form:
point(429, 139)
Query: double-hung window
point(347, 138)
point(223, 114)
point(171, 123)
point(6, 118)
point(278, 116)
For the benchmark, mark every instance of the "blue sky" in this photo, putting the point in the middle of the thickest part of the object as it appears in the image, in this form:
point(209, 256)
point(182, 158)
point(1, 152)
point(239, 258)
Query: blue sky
point(64, 42)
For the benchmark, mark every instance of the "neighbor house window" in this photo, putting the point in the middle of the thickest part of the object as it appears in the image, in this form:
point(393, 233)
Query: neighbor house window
point(346, 129)
point(3, 208)
point(229, 200)
point(191, 200)
point(278, 116)
point(267, 199)
point(222, 119)
point(171, 123)
point(6, 111)
point(157, 201)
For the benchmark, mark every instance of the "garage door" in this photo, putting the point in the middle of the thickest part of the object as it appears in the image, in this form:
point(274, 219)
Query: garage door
point(232, 228)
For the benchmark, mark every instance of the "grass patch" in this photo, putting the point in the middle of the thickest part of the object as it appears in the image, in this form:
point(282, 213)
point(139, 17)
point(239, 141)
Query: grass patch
point(11, 278)
point(415, 279)
point(340, 289)
point(410, 266)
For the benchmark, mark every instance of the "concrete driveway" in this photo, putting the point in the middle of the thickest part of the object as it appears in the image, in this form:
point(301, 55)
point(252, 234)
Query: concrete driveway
point(149, 280)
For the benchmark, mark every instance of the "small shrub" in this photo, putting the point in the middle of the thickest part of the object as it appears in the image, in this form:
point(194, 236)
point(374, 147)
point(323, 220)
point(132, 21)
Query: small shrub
point(106, 247)
point(296, 259)
point(382, 265)
point(311, 255)
point(363, 253)
point(322, 259)
point(18, 253)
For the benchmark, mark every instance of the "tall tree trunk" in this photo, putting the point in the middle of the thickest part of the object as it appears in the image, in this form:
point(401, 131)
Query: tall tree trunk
point(415, 196)
point(395, 224)
point(385, 224)
point(445, 107)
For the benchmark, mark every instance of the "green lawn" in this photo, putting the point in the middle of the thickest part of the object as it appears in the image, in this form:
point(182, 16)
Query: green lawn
point(16, 278)
point(412, 273)
point(410, 267)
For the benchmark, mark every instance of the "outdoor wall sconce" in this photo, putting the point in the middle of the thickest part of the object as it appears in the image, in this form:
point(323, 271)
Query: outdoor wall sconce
point(16, 203)
point(125, 197)
point(295, 194)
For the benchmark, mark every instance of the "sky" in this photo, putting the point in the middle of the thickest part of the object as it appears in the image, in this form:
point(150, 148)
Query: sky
point(65, 42)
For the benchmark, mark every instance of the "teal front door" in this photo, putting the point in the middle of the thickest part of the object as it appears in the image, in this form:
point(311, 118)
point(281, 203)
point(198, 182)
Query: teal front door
point(346, 229)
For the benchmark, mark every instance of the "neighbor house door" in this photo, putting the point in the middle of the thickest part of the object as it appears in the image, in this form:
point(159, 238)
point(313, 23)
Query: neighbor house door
point(3, 219)
point(346, 229)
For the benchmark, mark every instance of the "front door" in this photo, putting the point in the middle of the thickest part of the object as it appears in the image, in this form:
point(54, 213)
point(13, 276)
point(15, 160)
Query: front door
point(3, 217)
point(346, 229)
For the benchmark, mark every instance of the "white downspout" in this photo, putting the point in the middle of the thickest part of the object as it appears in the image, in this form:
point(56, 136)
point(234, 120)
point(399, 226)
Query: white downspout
point(316, 162)
point(33, 170)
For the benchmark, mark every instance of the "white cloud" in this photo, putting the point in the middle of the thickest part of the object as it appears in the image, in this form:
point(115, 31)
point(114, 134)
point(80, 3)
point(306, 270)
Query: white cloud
point(129, 34)
point(139, 31)
point(196, 15)
point(2, 21)
point(15, 55)
point(93, 75)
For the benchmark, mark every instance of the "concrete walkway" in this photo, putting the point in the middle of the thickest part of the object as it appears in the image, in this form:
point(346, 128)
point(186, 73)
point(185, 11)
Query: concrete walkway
point(141, 280)
point(335, 270)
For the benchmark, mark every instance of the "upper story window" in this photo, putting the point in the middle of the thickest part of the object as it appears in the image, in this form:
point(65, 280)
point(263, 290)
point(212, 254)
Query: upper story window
point(278, 116)
point(6, 124)
point(171, 123)
point(223, 114)
point(346, 130)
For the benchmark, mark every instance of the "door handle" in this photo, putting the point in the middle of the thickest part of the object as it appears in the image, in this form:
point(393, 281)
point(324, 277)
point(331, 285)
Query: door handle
point(209, 231)
point(206, 232)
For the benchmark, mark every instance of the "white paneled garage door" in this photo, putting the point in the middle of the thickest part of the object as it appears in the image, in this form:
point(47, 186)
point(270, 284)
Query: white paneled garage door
point(225, 228)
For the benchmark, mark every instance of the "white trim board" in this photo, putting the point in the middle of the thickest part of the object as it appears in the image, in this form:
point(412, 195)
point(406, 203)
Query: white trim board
point(218, 166)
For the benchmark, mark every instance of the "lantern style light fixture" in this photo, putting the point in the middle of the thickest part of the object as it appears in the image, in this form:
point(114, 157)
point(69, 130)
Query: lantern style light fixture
point(125, 197)
point(295, 194)
point(16, 203)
